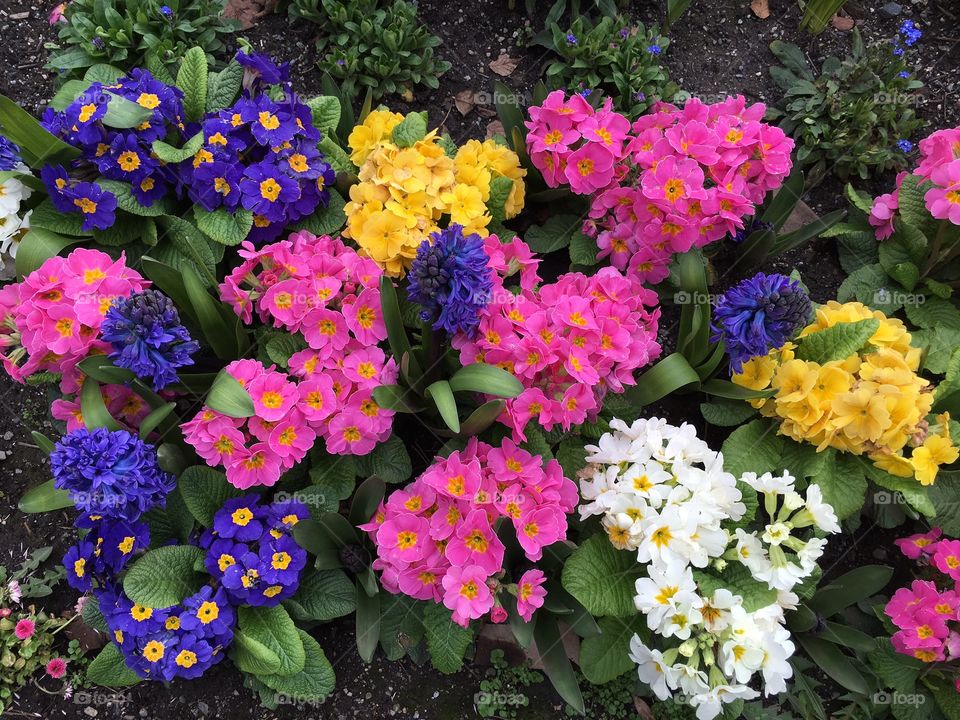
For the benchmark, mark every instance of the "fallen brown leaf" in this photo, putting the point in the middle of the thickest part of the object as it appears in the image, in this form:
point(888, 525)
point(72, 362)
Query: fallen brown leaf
point(249, 12)
point(465, 101)
point(495, 127)
point(843, 23)
point(504, 65)
point(761, 8)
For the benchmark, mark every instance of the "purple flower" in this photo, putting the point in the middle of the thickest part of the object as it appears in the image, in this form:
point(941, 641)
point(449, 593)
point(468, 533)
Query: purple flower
point(571, 39)
point(266, 190)
point(98, 206)
point(759, 314)
point(264, 68)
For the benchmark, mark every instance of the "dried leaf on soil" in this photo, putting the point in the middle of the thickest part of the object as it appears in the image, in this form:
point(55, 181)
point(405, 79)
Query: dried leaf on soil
point(504, 65)
point(249, 12)
point(465, 100)
point(761, 8)
point(843, 22)
point(495, 128)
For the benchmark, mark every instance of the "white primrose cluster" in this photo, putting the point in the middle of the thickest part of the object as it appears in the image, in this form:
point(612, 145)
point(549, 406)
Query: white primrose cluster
point(13, 193)
point(662, 492)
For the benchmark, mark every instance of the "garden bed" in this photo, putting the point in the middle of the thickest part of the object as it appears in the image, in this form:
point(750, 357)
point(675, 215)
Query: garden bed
point(717, 49)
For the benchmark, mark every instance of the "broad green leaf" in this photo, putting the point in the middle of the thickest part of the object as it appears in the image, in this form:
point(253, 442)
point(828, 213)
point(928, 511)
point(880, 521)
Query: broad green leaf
point(39, 147)
point(323, 595)
point(446, 641)
point(333, 475)
point(366, 500)
point(123, 114)
point(224, 86)
point(164, 576)
point(192, 80)
point(192, 245)
point(837, 342)
point(110, 670)
point(389, 461)
point(281, 346)
point(170, 154)
point(229, 397)
point(412, 129)
point(401, 625)
point(252, 656)
point(44, 498)
point(326, 112)
point(756, 447)
point(727, 414)
point(834, 663)
point(273, 628)
point(602, 578)
point(441, 394)
point(311, 684)
point(842, 479)
point(486, 379)
point(556, 664)
point(897, 671)
point(367, 622)
point(325, 220)
point(224, 226)
point(128, 203)
point(95, 413)
point(737, 579)
point(850, 588)
point(204, 491)
point(555, 234)
point(215, 330)
point(606, 657)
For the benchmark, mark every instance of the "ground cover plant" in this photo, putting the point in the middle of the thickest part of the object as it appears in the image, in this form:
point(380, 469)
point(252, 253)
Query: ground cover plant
point(328, 384)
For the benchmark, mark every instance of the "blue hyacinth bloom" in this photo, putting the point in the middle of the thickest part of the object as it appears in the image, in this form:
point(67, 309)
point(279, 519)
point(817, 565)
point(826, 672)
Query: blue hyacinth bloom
point(147, 337)
point(450, 280)
point(9, 154)
point(758, 315)
point(110, 474)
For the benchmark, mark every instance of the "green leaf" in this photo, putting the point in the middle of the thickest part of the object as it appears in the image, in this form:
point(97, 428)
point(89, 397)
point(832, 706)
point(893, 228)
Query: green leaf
point(896, 671)
point(151, 421)
point(39, 245)
point(397, 398)
point(128, 203)
point(103, 73)
point(110, 670)
point(170, 154)
point(212, 320)
point(282, 346)
point(555, 234)
point(229, 397)
point(326, 112)
point(172, 522)
point(756, 447)
point(38, 146)
point(834, 663)
point(441, 394)
point(606, 657)
point(401, 625)
point(192, 80)
point(486, 379)
point(671, 374)
point(727, 414)
point(945, 692)
point(325, 220)
point(313, 683)
point(366, 500)
point(334, 475)
point(933, 313)
point(940, 344)
point(273, 628)
point(556, 664)
point(164, 576)
point(192, 245)
point(583, 250)
point(411, 129)
point(737, 579)
point(367, 622)
point(837, 342)
point(396, 332)
point(44, 498)
point(204, 491)
point(446, 641)
point(43, 442)
point(122, 113)
point(917, 495)
point(323, 595)
point(792, 57)
point(224, 226)
point(602, 578)
point(482, 418)
point(252, 656)
point(224, 86)
point(871, 285)
point(842, 480)
point(95, 413)
point(850, 588)
point(389, 461)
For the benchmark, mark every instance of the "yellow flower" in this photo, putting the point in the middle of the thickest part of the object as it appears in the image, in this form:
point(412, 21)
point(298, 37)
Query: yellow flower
point(376, 128)
point(465, 203)
point(794, 380)
point(861, 414)
point(479, 164)
point(756, 373)
point(893, 463)
point(927, 459)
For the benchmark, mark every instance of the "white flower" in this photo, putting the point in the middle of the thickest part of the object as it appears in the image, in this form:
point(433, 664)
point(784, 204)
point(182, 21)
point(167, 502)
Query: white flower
point(823, 515)
point(623, 531)
point(13, 588)
point(680, 622)
point(751, 553)
point(792, 501)
point(12, 193)
point(776, 533)
point(767, 483)
point(810, 553)
point(742, 656)
point(615, 448)
point(710, 704)
point(781, 574)
point(652, 669)
point(667, 537)
point(646, 479)
point(776, 668)
point(663, 591)
point(691, 680)
point(787, 600)
point(715, 611)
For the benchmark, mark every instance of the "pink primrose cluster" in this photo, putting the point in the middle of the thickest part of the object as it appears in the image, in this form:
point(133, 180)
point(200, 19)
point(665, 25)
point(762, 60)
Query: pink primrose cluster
point(928, 612)
point(939, 165)
point(318, 287)
point(569, 342)
point(51, 321)
point(437, 538)
point(675, 179)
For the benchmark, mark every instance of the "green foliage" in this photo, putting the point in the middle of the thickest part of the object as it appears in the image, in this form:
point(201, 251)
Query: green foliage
point(372, 46)
point(123, 32)
point(602, 578)
point(446, 641)
point(610, 57)
point(848, 117)
point(503, 690)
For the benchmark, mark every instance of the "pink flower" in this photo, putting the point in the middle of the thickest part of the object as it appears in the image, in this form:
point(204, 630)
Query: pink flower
point(589, 169)
point(13, 588)
point(57, 668)
point(530, 593)
point(25, 629)
point(943, 201)
point(363, 317)
point(256, 466)
point(475, 543)
point(273, 395)
point(56, 15)
point(539, 527)
point(466, 593)
point(454, 478)
point(404, 538)
point(347, 435)
point(498, 614)
point(916, 545)
point(946, 558)
point(674, 181)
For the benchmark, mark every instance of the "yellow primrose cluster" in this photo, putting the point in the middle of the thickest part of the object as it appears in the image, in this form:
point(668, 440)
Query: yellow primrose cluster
point(403, 193)
point(871, 403)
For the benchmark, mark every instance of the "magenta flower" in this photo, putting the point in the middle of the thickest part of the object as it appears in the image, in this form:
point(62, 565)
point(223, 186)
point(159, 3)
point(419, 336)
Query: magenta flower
point(921, 543)
point(25, 629)
point(466, 593)
point(943, 201)
point(57, 668)
point(530, 593)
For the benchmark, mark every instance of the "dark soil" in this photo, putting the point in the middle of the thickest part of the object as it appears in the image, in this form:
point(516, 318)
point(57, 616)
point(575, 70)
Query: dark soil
point(719, 48)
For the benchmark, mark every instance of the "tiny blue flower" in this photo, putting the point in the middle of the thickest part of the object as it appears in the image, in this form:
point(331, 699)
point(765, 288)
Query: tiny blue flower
point(166, 10)
point(571, 39)
point(911, 33)
point(654, 49)
point(905, 145)
point(904, 74)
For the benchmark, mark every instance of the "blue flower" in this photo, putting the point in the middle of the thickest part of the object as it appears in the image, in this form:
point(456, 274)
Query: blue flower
point(654, 49)
point(904, 74)
point(264, 67)
point(58, 185)
point(905, 145)
point(270, 124)
point(266, 190)
point(98, 206)
point(571, 39)
point(241, 519)
point(113, 474)
point(208, 614)
point(450, 280)
point(758, 315)
point(78, 562)
point(9, 154)
point(166, 10)
point(216, 183)
point(910, 32)
point(147, 337)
